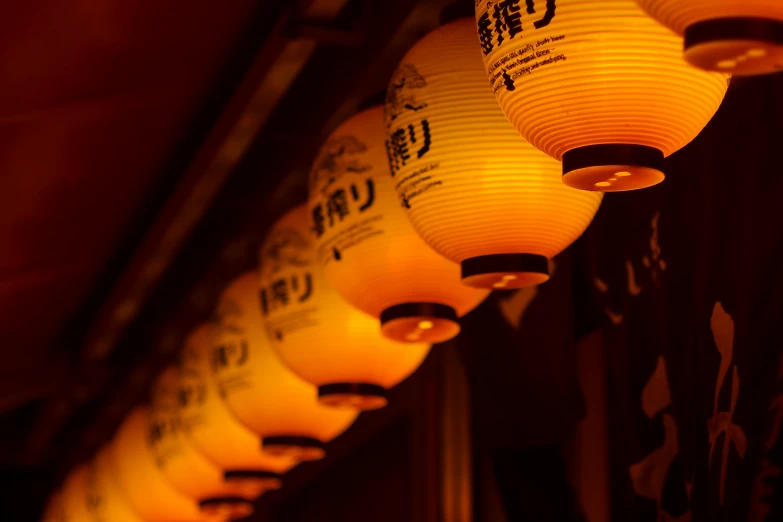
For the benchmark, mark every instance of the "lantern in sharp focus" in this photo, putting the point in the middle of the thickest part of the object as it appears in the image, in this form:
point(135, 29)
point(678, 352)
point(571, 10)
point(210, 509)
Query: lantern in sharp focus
point(370, 252)
point(743, 37)
point(140, 480)
point(322, 338)
point(260, 390)
point(185, 467)
point(473, 188)
point(214, 430)
point(596, 84)
point(108, 504)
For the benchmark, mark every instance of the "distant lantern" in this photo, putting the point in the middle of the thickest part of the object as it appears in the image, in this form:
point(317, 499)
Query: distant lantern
point(184, 465)
point(596, 84)
point(259, 389)
point(323, 339)
point(140, 480)
point(743, 37)
point(214, 430)
point(75, 498)
point(371, 253)
point(108, 504)
point(473, 188)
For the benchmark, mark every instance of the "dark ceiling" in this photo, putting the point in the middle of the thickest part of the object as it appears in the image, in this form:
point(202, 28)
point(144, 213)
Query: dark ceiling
point(144, 148)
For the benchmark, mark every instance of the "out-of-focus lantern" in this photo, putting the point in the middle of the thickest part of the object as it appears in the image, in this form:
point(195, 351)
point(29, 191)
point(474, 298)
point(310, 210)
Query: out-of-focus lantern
point(108, 504)
point(596, 84)
point(370, 251)
point(214, 430)
point(260, 390)
point(54, 511)
point(184, 465)
point(743, 37)
point(75, 498)
point(140, 480)
point(473, 188)
point(322, 338)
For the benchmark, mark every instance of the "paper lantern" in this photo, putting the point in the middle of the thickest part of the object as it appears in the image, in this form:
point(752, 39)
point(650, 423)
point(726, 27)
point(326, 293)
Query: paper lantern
point(473, 188)
point(54, 511)
point(74, 496)
point(213, 429)
point(322, 338)
point(187, 469)
point(140, 480)
point(596, 84)
point(258, 388)
point(370, 252)
point(742, 37)
point(108, 504)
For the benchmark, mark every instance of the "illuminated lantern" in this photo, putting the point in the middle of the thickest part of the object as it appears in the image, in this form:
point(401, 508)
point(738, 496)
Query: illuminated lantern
point(108, 504)
point(322, 338)
point(260, 390)
point(54, 512)
point(370, 252)
point(596, 84)
point(214, 430)
point(472, 187)
point(140, 480)
point(742, 37)
point(75, 496)
point(186, 468)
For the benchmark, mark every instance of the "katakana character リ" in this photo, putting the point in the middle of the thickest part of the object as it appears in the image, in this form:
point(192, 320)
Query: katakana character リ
point(370, 195)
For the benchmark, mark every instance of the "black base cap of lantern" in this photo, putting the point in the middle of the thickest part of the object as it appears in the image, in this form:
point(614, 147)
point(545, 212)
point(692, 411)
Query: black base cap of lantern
point(505, 271)
point(298, 448)
point(356, 395)
point(613, 167)
point(420, 322)
point(230, 508)
point(263, 480)
point(742, 45)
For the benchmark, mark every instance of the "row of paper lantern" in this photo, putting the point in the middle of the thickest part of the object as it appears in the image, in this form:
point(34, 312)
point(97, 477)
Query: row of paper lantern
point(296, 350)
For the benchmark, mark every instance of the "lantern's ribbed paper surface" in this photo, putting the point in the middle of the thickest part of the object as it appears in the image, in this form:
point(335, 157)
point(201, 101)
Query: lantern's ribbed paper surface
point(322, 338)
point(259, 389)
point(596, 72)
point(742, 37)
point(213, 429)
point(74, 496)
point(109, 504)
point(140, 480)
point(370, 251)
point(473, 188)
point(183, 464)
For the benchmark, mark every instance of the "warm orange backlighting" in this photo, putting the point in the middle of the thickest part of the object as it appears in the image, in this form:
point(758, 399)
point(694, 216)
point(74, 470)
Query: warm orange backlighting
point(474, 189)
point(140, 480)
point(317, 334)
point(371, 253)
point(54, 511)
point(74, 495)
point(737, 36)
point(598, 85)
point(259, 389)
point(108, 504)
point(214, 430)
point(183, 464)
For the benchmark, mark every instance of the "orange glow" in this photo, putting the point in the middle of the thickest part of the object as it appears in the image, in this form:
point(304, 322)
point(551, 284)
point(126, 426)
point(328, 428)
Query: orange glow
point(74, 496)
point(183, 464)
point(141, 481)
point(109, 504)
point(317, 334)
point(719, 35)
point(474, 189)
point(372, 255)
point(600, 86)
point(214, 430)
point(54, 511)
point(258, 388)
